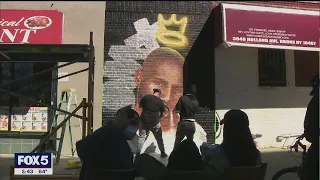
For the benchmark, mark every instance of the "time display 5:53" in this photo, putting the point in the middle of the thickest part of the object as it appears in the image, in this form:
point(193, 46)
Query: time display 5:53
point(27, 171)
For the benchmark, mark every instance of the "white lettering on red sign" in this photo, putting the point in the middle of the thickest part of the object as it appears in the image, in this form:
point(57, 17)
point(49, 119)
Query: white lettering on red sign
point(12, 35)
point(4, 22)
point(270, 36)
point(14, 31)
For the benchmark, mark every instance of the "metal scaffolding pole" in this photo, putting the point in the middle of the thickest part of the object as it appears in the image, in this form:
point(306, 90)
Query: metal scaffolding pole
point(89, 55)
point(54, 79)
point(73, 113)
point(90, 85)
point(43, 104)
point(41, 72)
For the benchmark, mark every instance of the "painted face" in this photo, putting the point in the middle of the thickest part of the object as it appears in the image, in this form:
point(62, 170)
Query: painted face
point(167, 75)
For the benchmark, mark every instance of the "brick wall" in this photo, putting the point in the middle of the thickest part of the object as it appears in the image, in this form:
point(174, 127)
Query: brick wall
point(139, 55)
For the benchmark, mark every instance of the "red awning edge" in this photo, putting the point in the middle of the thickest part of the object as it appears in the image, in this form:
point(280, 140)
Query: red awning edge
point(269, 27)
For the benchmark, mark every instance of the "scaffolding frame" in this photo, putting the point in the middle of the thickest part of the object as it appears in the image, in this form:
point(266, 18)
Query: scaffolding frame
point(69, 53)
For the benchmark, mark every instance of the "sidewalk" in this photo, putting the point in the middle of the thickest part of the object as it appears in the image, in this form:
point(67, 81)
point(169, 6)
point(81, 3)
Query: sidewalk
point(275, 157)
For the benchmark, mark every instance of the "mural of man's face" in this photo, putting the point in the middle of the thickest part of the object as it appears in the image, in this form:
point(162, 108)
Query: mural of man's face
point(163, 69)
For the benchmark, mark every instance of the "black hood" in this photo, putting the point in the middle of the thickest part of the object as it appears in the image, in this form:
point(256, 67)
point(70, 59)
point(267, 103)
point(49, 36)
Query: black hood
point(191, 96)
point(315, 85)
point(192, 89)
point(315, 93)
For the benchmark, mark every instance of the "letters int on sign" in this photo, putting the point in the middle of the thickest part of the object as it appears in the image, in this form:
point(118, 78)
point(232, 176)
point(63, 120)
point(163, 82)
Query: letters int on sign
point(16, 35)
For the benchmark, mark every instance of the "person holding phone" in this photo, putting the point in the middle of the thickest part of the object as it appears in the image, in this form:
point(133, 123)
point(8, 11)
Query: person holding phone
point(153, 109)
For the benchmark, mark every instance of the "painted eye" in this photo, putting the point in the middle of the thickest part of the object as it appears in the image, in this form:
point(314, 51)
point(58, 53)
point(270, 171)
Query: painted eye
point(159, 84)
point(178, 90)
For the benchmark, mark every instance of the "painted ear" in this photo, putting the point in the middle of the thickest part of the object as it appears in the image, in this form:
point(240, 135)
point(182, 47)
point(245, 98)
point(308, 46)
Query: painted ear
point(138, 76)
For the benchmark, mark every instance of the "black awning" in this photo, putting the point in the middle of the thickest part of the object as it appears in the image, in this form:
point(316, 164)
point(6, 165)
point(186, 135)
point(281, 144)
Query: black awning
point(44, 52)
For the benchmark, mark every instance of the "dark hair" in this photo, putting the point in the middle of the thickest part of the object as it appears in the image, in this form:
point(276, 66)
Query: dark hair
point(185, 156)
point(132, 114)
point(191, 89)
point(134, 117)
point(315, 80)
point(238, 143)
point(315, 85)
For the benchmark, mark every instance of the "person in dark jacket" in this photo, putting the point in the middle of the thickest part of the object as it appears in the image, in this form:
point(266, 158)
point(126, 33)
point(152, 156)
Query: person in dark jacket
point(311, 132)
point(187, 107)
point(185, 157)
point(107, 147)
point(185, 162)
point(238, 147)
point(153, 109)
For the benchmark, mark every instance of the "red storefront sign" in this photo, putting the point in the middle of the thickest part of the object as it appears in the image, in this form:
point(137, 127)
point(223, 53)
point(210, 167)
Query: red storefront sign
point(31, 26)
point(256, 26)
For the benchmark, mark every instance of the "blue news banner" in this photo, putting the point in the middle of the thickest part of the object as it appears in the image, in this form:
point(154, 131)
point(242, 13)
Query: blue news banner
point(33, 164)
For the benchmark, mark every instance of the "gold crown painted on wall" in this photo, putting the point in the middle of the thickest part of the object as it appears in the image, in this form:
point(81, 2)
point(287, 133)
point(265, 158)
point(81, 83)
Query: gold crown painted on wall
point(171, 38)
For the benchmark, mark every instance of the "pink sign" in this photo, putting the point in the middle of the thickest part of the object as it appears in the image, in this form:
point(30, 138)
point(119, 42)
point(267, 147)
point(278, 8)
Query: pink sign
point(31, 26)
point(272, 29)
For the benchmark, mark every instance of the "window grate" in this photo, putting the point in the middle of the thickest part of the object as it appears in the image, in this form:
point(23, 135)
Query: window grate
point(272, 67)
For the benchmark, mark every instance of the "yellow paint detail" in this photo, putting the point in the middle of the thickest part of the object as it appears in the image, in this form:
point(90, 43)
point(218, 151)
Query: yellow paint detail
point(171, 38)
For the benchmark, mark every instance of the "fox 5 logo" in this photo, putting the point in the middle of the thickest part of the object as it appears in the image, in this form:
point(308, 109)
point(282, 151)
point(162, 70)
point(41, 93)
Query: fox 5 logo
point(33, 160)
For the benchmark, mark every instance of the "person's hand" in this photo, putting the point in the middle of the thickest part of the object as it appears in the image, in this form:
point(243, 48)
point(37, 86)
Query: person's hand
point(165, 113)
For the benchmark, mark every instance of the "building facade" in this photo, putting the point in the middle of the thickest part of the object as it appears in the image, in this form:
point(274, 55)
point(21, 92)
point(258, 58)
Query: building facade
point(270, 83)
point(139, 35)
point(76, 21)
point(262, 75)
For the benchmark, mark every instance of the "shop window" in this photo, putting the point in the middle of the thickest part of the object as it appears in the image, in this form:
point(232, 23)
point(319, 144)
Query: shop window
point(5, 78)
point(306, 65)
point(272, 67)
point(19, 113)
